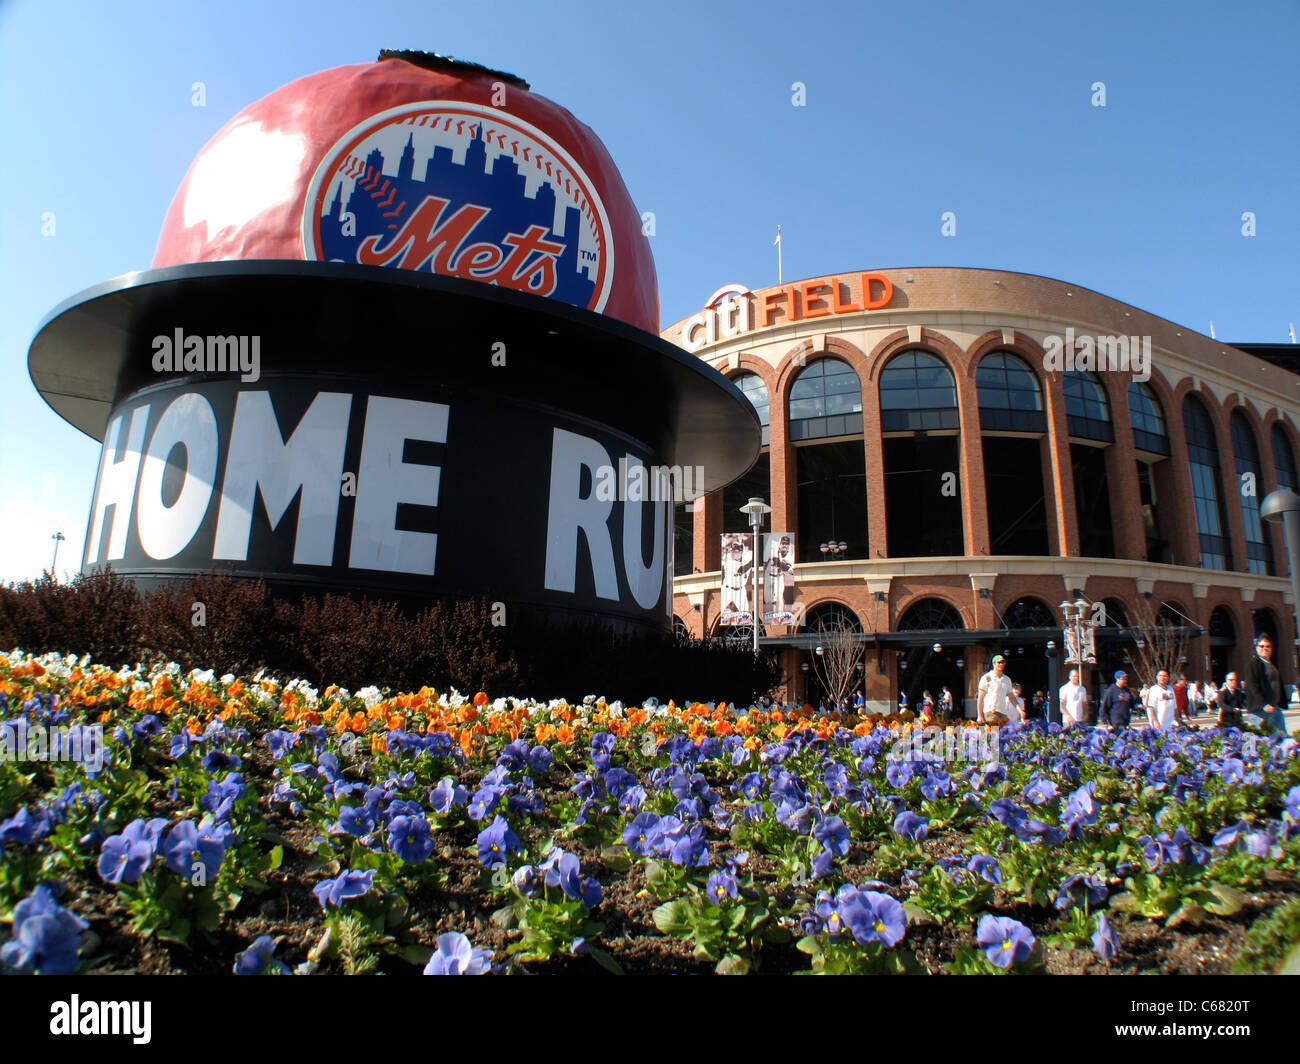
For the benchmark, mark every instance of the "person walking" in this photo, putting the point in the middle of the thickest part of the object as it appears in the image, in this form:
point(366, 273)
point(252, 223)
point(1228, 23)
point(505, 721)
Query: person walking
point(1233, 702)
point(1074, 701)
point(1182, 709)
point(1264, 691)
point(994, 692)
point(1038, 707)
point(1161, 703)
point(945, 704)
point(1118, 703)
point(1017, 702)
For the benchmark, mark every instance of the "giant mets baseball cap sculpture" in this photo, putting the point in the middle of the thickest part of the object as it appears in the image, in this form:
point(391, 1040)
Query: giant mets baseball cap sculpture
point(399, 338)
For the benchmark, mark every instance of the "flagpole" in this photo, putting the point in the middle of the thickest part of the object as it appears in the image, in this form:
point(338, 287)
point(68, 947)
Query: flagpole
point(780, 269)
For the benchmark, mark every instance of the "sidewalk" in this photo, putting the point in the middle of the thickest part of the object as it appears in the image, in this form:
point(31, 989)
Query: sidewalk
point(1291, 715)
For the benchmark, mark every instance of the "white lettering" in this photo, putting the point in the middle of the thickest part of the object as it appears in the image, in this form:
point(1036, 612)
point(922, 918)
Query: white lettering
point(166, 530)
point(115, 486)
point(569, 512)
point(384, 481)
point(261, 460)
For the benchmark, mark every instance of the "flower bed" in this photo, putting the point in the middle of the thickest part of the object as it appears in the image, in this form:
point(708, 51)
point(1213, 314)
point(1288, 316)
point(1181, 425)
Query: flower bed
point(250, 825)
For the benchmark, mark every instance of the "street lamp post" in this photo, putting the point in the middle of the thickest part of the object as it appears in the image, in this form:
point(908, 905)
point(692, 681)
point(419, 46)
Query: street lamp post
point(1053, 678)
point(755, 510)
point(58, 538)
point(1073, 613)
point(1284, 505)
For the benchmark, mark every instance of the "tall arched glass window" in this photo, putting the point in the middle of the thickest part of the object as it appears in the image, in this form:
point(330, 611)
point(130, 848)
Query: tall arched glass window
point(917, 394)
point(1203, 458)
point(1284, 459)
point(1011, 398)
point(825, 400)
point(1087, 409)
point(831, 476)
point(920, 453)
point(1259, 554)
point(756, 392)
point(1149, 430)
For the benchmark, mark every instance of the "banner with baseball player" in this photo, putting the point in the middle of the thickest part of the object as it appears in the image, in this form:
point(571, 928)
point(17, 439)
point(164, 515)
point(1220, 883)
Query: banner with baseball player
point(737, 578)
point(778, 578)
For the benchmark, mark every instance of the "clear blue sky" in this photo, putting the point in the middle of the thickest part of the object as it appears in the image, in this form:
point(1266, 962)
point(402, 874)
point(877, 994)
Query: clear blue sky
point(912, 110)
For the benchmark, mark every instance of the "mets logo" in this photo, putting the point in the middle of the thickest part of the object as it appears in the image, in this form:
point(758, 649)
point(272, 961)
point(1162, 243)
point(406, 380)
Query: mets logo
point(466, 191)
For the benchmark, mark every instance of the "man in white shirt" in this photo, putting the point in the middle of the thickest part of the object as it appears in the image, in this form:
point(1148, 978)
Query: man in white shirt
point(995, 693)
point(1161, 703)
point(1074, 700)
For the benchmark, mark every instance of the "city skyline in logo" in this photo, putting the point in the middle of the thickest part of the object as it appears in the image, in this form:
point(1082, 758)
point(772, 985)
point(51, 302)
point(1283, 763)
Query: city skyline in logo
point(461, 191)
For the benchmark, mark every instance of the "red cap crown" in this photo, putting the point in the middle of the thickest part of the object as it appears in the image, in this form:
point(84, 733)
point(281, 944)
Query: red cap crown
point(431, 165)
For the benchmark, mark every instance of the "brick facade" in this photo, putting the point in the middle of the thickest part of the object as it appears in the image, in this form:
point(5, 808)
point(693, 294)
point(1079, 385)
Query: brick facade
point(960, 316)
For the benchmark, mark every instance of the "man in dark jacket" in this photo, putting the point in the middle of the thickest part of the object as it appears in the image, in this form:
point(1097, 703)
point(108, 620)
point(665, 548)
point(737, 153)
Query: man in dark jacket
point(1264, 693)
point(1118, 702)
point(1232, 702)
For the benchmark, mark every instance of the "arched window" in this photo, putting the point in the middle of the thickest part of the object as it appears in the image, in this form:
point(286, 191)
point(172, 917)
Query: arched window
point(930, 615)
point(1203, 457)
point(830, 615)
point(1087, 408)
point(756, 392)
point(1011, 399)
point(680, 632)
point(825, 400)
point(737, 635)
point(1028, 613)
point(1116, 616)
point(1149, 430)
point(1284, 459)
point(1265, 624)
point(917, 394)
point(1223, 642)
point(1259, 553)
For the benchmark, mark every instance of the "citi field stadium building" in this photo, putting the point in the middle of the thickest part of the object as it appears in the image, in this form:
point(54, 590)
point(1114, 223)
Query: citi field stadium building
point(927, 420)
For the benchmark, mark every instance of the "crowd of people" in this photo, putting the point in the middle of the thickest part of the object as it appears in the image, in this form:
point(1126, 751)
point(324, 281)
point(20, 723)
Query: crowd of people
point(1160, 704)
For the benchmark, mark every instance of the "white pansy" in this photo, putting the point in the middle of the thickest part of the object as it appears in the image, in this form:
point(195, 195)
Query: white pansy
point(369, 695)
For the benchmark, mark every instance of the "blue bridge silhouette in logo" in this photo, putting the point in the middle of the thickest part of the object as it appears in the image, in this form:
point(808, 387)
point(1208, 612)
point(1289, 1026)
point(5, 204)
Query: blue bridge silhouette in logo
point(383, 205)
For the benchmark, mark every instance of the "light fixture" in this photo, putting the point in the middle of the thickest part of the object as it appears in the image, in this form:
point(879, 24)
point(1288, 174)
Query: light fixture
point(819, 651)
point(937, 648)
point(803, 666)
point(961, 663)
